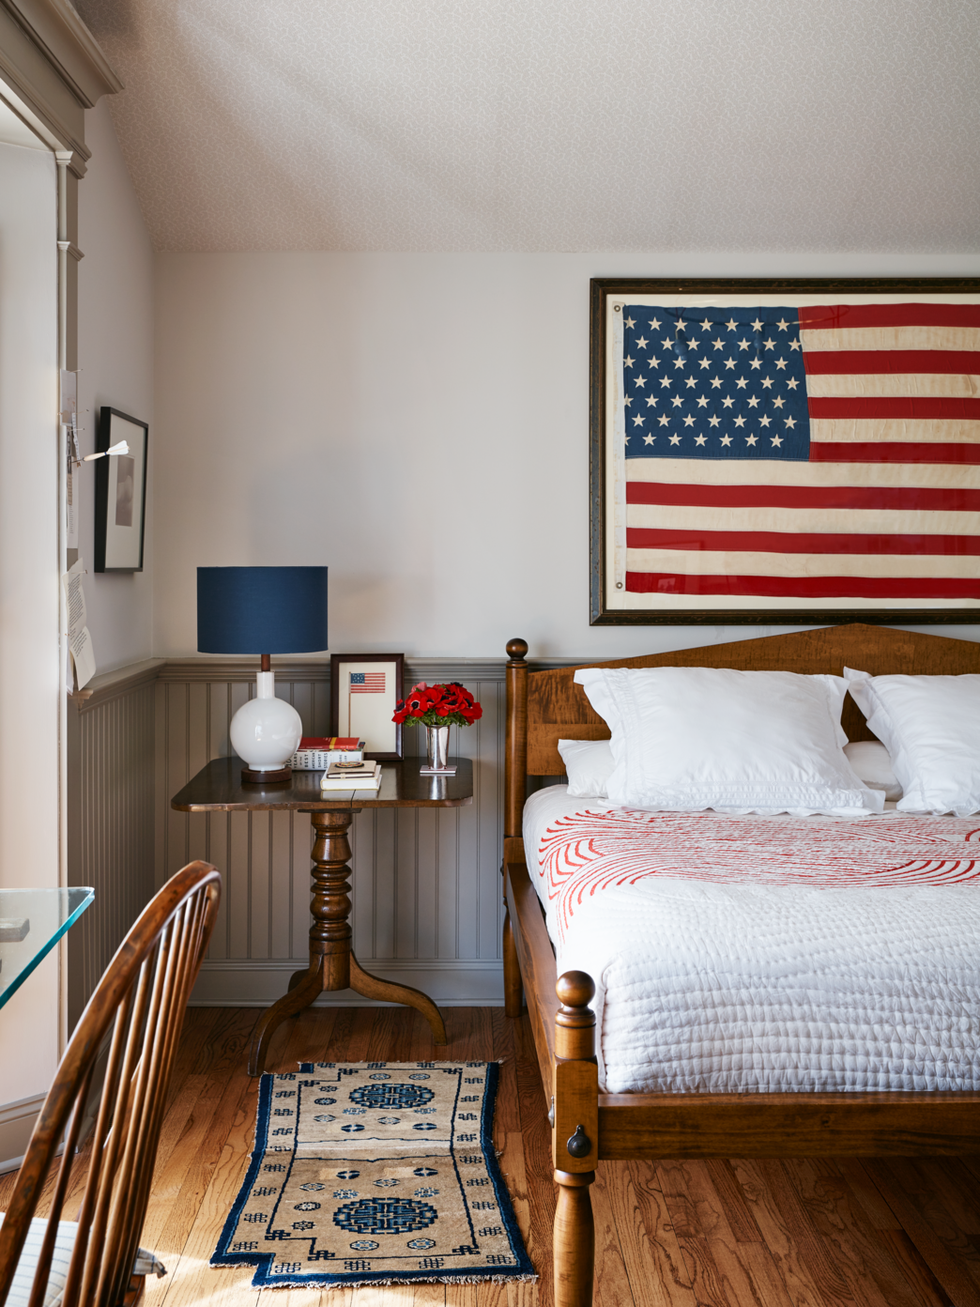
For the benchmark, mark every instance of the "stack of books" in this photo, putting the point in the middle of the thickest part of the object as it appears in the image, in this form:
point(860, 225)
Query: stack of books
point(351, 776)
point(317, 752)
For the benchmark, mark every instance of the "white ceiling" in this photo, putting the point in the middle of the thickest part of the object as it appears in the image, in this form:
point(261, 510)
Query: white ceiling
point(563, 125)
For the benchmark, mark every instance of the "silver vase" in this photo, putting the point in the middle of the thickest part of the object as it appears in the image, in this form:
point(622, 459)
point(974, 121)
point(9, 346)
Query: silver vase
point(437, 752)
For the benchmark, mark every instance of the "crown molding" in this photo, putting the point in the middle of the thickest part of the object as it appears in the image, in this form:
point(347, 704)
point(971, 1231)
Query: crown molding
point(52, 70)
point(55, 27)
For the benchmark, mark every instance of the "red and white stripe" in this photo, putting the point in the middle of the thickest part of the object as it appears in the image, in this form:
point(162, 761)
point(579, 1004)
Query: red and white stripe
point(887, 508)
point(374, 683)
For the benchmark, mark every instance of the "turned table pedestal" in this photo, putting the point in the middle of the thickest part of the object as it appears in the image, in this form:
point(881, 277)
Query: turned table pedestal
point(219, 788)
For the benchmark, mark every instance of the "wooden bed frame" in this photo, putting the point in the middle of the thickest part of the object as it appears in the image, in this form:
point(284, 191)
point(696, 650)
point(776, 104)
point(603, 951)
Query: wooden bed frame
point(545, 706)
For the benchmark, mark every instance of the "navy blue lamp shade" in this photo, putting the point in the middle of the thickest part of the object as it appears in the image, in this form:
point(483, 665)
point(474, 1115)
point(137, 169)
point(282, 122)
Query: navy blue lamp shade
point(261, 610)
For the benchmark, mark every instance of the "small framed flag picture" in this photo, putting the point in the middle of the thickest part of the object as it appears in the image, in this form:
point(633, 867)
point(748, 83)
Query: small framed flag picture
point(364, 689)
point(785, 451)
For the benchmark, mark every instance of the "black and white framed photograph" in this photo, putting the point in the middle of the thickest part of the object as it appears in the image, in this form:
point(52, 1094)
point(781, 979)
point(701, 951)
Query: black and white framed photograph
point(364, 689)
point(120, 493)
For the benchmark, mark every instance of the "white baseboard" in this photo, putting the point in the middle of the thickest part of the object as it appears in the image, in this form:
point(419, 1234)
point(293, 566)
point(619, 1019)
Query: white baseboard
point(16, 1123)
point(238, 983)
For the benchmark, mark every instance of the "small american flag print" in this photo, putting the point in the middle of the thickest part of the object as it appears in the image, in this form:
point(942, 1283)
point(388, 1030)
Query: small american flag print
point(367, 682)
point(821, 453)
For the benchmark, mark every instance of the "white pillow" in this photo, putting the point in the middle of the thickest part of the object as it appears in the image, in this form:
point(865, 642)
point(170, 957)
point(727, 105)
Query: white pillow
point(931, 727)
point(689, 738)
point(588, 765)
point(872, 762)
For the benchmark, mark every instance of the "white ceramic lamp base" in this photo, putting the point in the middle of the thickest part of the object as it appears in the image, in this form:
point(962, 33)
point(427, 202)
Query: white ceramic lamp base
point(265, 733)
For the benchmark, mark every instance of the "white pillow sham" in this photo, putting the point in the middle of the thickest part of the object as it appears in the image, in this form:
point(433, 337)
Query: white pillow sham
point(690, 738)
point(931, 728)
point(588, 766)
point(872, 762)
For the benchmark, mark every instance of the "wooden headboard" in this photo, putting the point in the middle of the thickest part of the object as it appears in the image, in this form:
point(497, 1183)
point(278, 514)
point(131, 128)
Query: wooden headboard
point(545, 707)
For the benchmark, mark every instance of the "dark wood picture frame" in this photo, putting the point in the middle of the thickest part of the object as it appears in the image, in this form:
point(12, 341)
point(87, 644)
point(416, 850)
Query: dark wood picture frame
point(120, 501)
point(337, 662)
point(606, 608)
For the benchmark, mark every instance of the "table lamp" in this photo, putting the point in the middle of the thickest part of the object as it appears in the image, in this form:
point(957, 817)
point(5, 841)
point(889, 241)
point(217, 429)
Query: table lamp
point(265, 611)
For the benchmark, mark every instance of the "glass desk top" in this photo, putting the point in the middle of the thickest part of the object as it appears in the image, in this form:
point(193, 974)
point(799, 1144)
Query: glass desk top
point(31, 923)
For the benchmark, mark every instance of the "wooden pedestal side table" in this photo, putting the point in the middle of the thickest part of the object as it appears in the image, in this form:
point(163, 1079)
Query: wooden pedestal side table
point(218, 788)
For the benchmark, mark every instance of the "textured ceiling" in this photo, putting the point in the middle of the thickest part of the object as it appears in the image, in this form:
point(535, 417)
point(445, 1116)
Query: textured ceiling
point(572, 125)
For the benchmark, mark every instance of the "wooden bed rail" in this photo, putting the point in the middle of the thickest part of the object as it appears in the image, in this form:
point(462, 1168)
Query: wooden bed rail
point(529, 957)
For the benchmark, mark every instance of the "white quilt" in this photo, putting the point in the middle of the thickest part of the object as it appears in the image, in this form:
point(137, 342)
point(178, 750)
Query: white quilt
point(767, 953)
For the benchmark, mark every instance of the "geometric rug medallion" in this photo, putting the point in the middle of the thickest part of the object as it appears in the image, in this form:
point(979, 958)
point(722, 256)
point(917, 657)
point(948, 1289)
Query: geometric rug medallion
point(375, 1173)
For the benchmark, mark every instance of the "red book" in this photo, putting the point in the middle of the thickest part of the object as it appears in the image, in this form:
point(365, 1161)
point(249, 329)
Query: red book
point(327, 742)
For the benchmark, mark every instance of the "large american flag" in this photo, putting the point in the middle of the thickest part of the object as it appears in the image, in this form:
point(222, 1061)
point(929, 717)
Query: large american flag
point(815, 453)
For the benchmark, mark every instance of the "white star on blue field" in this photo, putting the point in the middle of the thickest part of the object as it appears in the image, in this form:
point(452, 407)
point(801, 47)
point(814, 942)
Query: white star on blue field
point(715, 383)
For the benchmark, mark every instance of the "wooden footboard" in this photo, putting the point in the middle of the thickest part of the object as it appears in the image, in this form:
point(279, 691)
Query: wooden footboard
point(685, 1125)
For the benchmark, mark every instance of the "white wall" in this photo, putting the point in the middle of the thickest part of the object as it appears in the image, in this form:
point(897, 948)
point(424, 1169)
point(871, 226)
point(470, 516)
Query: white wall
point(29, 582)
point(419, 423)
point(115, 355)
point(115, 358)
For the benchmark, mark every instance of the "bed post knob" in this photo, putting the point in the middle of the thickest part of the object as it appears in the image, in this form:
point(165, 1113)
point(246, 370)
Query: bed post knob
point(575, 989)
point(575, 1020)
point(517, 650)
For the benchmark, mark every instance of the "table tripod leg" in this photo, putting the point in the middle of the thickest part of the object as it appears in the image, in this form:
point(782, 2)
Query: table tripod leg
point(371, 987)
point(300, 996)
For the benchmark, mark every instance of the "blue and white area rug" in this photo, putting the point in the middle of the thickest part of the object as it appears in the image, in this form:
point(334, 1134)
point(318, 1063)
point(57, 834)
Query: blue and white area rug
point(375, 1173)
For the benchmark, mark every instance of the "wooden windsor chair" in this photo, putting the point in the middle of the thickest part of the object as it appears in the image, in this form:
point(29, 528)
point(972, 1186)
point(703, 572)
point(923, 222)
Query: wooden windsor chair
point(142, 996)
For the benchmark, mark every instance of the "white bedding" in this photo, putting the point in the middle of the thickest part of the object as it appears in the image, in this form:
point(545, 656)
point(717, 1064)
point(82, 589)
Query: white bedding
point(748, 953)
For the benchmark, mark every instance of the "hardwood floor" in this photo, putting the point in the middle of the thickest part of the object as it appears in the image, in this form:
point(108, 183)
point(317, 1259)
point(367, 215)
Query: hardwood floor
point(673, 1234)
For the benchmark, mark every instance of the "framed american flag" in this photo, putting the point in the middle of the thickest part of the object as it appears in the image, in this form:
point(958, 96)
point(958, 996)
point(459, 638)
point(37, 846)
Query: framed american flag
point(785, 451)
point(364, 689)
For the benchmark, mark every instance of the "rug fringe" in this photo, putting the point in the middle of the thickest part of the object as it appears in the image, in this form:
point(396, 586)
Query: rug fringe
point(370, 1284)
point(499, 1061)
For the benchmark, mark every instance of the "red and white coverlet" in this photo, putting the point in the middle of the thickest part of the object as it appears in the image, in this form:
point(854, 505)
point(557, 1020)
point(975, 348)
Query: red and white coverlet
point(747, 953)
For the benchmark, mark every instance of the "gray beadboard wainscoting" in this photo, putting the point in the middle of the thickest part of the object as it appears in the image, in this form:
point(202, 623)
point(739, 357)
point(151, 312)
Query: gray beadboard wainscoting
point(426, 882)
point(111, 725)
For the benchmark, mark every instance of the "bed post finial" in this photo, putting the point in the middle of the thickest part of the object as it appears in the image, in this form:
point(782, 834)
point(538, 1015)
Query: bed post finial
point(515, 757)
point(575, 1144)
point(576, 990)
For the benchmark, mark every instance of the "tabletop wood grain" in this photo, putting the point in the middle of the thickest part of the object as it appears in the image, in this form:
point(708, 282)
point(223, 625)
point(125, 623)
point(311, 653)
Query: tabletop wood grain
point(218, 788)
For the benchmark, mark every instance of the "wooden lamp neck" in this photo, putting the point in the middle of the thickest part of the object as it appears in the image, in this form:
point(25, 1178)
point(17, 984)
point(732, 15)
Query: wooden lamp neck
point(266, 663)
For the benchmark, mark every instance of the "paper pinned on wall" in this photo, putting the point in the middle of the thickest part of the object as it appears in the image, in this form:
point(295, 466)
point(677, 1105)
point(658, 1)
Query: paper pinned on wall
point(69, 416)
point(79, 636)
